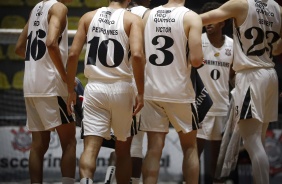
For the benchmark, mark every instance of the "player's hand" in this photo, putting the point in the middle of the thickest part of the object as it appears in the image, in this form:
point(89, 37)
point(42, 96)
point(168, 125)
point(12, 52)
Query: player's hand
point(71, 102)
point(139, 103)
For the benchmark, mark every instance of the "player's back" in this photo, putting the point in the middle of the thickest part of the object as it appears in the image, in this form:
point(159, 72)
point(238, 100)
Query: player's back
point(255, 37)
point(41, 76)
point(107, 46)
point(167, 71)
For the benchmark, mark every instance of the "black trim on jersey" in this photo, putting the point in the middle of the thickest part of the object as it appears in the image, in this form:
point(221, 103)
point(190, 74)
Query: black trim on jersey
point(239, 37)
point(65, 118)
point(246, 111)
point(145, 13)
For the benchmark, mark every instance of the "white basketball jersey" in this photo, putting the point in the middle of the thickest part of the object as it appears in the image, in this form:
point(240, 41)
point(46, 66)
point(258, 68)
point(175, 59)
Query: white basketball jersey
point(139, 10)
point(254, 38)
point(167, 75)
point(107, 48)
point(41, 77)
point(215, 73)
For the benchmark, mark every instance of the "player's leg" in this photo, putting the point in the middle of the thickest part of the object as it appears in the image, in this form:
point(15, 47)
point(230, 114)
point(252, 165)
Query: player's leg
point(111, 170)
point(39, 146)
point(200, 146)
point(95, 127)
point(155, 123)
point(87, 164)
point(214, 135)
point(37, 120)
point(121, 124)
point(190, 165)
point(123, 161)
point(251, 132)
point(183, 118)
point(214, 152)
point(136, 153)
point(151, 163)
point(136, 169)
point(66, 134)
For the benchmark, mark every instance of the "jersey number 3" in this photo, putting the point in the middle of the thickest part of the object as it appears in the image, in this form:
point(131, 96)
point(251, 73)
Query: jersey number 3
point(168, 56)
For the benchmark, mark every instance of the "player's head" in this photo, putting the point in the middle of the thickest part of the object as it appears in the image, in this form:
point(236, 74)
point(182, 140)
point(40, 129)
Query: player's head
point(212, 28)
point(65, 1)
point(210, 6)
point(120, 1)
point(144, 3)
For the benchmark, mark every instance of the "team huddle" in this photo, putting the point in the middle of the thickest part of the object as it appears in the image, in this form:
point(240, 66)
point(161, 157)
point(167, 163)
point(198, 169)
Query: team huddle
point(146, 70)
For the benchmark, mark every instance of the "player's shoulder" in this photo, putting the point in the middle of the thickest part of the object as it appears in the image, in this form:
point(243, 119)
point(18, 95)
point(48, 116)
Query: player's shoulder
point(130, 14)
point(228, 39)
point(88, 16)
point(131, 17)
point(192, 17)
point(59, 7)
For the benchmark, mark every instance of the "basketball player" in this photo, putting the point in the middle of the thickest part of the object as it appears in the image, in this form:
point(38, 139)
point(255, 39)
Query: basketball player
point(255, 29)
point(109, 93)
point(169, 95)
point(138, 7)
point(44, 44)
point(218, 58)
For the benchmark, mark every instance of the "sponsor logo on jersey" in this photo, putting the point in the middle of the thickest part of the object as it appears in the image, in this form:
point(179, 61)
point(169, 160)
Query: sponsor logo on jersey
point(228, 52)
point(260, 4)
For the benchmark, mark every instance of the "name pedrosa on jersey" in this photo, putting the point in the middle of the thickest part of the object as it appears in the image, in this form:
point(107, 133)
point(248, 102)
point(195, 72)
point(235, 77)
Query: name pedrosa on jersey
point(104, 31)
point(216, 63)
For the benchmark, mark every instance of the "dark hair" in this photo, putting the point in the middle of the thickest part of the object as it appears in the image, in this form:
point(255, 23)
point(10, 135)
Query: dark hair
point(120, 1)
point(210, 6)
point(227, 29)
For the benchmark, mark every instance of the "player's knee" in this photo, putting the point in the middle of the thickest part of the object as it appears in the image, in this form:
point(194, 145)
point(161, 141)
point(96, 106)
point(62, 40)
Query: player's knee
point(69, 146)
point(40, 146)
point(155, 152)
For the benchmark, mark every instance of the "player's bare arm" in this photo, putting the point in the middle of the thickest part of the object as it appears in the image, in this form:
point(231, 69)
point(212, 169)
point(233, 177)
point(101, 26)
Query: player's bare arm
point(21, 43)
point(57, 22)
point(228, 10)
point(193, 30)
point(277, 47)
point(134, 28)
point(77, 45)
